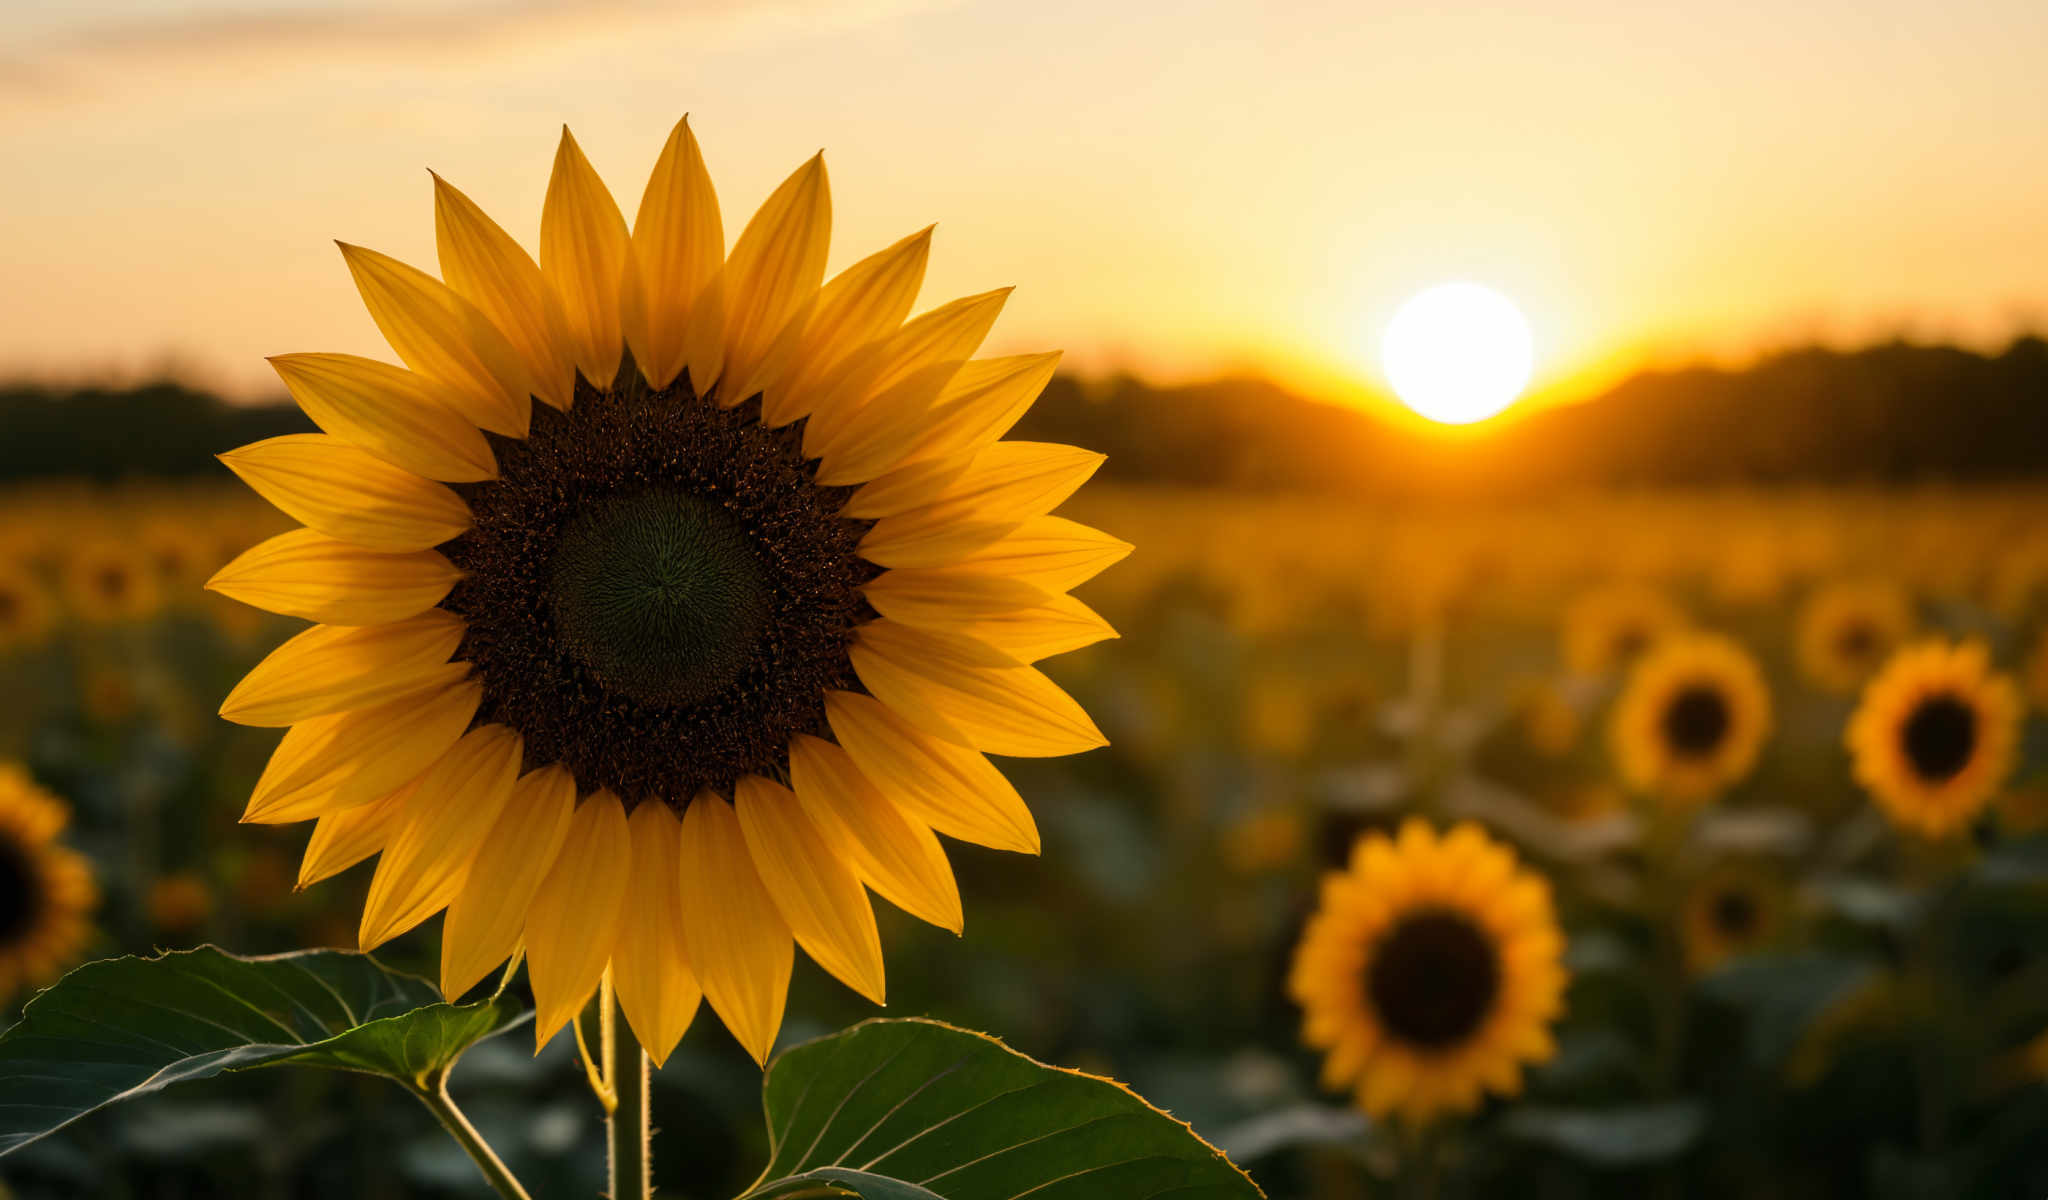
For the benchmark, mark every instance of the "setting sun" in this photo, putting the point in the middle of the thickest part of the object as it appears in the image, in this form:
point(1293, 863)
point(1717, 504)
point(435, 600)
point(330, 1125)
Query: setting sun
point(1457, 353)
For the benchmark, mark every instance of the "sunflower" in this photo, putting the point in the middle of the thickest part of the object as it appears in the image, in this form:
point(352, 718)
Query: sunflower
point(1847, 630)
point(1691, 720)
point(1730, 911)
point(181, 555)
point(1431, 971)
point(1608, 628)
point(1935, 736)
point(26, 609)
point(106, 582)
point(46, 891)
point(653, 675)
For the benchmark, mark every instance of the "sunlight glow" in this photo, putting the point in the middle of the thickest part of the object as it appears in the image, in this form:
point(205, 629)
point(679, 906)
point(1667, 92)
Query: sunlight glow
point(1458, 353)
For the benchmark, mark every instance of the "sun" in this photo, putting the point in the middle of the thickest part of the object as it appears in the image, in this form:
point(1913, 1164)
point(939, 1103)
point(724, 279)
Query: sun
point(1457, 353)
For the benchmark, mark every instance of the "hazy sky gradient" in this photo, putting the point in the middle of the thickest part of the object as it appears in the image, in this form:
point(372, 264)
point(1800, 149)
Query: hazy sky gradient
point(1181, 188)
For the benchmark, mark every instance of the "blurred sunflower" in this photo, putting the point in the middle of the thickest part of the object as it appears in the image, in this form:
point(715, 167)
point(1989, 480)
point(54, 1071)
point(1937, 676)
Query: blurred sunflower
point(656, 673)
point(1608, 628)
point(26, 610)
point(181, 554)
point(1691, 720)
point(1935, 736)
point(1732, 910)
point(107, 582)
point(1430, 972)
point(46, 890)
point(1847, 630)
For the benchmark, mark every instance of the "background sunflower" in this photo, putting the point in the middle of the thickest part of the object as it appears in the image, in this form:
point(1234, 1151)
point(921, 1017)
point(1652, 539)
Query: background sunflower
point(1691, 720)
point(1935, 735)
point(1429, 973)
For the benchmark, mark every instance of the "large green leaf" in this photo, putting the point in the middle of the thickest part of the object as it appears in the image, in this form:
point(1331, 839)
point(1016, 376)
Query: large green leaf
point(918, 1110)
point(123, 1027)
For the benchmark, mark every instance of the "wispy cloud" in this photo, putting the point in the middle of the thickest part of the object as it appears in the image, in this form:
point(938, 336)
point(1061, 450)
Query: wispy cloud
point(89, 60)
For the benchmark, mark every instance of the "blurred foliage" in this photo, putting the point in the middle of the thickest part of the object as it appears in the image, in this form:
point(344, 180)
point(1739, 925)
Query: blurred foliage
point(1293, 671)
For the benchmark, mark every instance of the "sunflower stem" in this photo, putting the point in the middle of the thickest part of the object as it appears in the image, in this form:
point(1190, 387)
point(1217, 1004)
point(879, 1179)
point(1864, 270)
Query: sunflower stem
point(433, 1092)
point(627, 1127)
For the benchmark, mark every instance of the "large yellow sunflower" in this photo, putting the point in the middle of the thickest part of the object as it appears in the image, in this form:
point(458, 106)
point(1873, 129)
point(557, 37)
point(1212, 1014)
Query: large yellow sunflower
point(1608, 628)
point(1848, 629)
point(46, 891)
point(1430, 972)
point(656, 673)
point(1935, 736)
point(1691, 720)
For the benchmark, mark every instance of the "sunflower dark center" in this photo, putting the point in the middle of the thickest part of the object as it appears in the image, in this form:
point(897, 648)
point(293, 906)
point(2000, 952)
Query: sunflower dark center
point(1734, 913)
point(19, 894)
point(658, 594)
point(1629, 642)
point(112, 582)
point(1434, 979)
point(10, 607)
point(1940, 736)
point(1856, 642)
point(1696, 721)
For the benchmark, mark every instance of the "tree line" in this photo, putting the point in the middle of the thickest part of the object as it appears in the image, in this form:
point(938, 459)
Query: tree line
point(1891, 413)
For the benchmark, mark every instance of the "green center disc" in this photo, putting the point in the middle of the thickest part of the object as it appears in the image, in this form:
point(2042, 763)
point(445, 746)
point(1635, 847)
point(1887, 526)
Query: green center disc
point(659, 595)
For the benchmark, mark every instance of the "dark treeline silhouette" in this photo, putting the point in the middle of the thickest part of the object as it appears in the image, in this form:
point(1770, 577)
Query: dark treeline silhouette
point(155, 430)
point(1891, 413)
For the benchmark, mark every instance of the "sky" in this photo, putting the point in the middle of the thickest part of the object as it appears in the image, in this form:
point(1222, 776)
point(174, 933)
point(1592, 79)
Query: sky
point(1180, 189)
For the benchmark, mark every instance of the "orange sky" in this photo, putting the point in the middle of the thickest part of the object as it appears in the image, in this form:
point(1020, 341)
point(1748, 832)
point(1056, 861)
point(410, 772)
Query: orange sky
point(1180, 188)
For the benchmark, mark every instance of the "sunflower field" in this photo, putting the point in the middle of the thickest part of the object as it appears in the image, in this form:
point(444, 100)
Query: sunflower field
point(1667, 843)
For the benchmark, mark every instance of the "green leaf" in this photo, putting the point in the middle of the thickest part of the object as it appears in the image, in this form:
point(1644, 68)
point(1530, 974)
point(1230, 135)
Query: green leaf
point(918, 1110)
point(124, 1027)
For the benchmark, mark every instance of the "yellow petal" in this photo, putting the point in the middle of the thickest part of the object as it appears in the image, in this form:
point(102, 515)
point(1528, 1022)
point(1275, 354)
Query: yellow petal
point(349, 758)
point(327, 669)
point(487, 916)
point(1052, 552)
point(574, 918)
point(650, 967)
point(307, 574)
point(912, 485)
point(938, 685)
point(486, 267)
point(897, 856)
point(859, 437)
point(772, 276)
point(457, 801)
point(348, 493)
point(859, 305)
point(679, 252)
point(388, 411)
point(816, 892)
point(583, 252)
point(1030, 634)
point(981, 402)
point(444, 338)
point(947, 598)
point(738, 943)
point(951, 788)
point(342, 839)
point(1007, 484)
